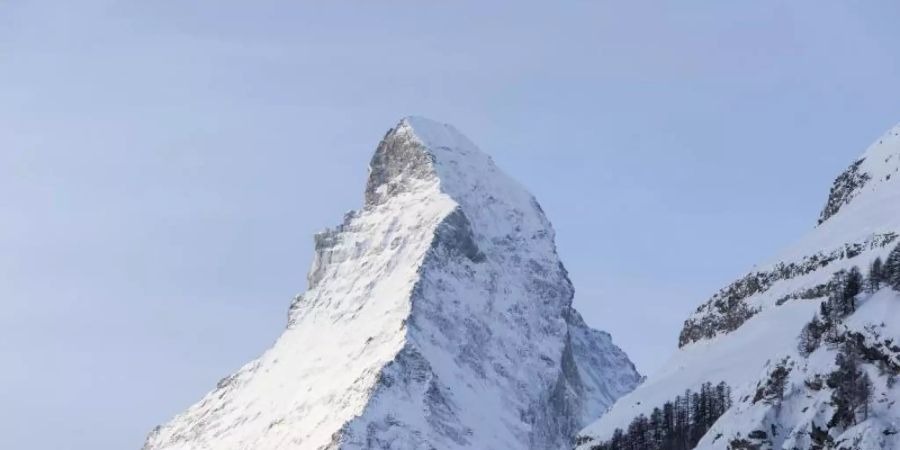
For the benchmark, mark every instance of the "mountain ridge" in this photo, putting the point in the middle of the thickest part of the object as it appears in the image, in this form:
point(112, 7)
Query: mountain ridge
point(437, 316)
point(744, 332)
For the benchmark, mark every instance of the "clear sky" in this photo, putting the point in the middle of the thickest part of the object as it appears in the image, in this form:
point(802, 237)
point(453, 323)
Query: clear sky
point(164, 164)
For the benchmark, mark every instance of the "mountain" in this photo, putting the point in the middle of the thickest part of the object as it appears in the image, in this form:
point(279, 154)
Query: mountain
point(806, 346)
point(438, 316)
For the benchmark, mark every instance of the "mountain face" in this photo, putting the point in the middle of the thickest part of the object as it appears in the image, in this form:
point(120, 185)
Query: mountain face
point(805, 347)
point(436, 317)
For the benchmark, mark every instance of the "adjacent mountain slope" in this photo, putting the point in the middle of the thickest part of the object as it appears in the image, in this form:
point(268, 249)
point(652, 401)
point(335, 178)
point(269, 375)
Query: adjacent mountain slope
point(751, 328)
point(437, 316)
point(795, 401)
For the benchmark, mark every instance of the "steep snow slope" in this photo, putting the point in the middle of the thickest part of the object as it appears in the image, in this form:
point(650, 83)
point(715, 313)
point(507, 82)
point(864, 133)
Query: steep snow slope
point(736, 335)
point(438, 316)
point(756, 421)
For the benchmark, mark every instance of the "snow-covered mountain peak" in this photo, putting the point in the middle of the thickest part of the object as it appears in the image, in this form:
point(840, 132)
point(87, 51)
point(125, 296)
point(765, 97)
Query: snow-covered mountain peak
point(883, 151)
point(437, 316)
point(436, 135)
point(857, 219)
point(423, 154)
point(748, 338)
point(419, 151)
point(875, 172)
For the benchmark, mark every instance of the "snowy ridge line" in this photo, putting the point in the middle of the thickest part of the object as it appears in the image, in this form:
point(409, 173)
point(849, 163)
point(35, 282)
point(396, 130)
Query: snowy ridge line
point(438, 316)
point(761, 326)
point(727, 310)
point(846, 186)
point(876, 166)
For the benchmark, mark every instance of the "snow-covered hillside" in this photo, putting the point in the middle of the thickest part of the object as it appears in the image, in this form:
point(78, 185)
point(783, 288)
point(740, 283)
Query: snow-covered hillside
point(438, 316)
point(748, 332)
point(800, 412)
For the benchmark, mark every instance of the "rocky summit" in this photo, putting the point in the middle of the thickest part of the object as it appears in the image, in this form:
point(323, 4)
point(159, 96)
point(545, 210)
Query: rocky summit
point(438, 316)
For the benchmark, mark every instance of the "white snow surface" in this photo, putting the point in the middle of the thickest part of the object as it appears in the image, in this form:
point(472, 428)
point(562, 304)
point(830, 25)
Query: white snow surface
point(740, 357)
point(788, 423)
point(436, 317)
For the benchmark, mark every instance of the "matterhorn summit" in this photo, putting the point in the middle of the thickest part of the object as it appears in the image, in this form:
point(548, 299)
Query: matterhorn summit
point(438, 316)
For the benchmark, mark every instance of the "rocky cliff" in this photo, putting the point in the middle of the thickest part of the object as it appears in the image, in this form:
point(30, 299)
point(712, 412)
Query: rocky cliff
point(438, 316)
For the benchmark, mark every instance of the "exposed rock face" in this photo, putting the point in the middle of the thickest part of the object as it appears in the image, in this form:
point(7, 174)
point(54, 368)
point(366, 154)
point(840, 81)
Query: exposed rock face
point(748, 333)
point(865, 188)
point(845, 187)
point(727, 309)
point(437, 317)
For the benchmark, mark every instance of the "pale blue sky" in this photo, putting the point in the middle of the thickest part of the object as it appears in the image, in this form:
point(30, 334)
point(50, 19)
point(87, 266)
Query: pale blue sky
point(163, 166)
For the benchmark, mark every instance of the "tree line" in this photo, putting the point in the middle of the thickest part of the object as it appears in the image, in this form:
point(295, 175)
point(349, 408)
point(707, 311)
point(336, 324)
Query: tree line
point(678, 425)
point(850, 384)
point(843, 290)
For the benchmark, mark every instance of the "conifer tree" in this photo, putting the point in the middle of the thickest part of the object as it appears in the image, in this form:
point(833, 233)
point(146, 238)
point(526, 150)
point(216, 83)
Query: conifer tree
point(875, 278)
point(657, 429)
point(845, 286)
point(852, 388)
point(891, 269)
point(810, 335)
point(853, 285)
